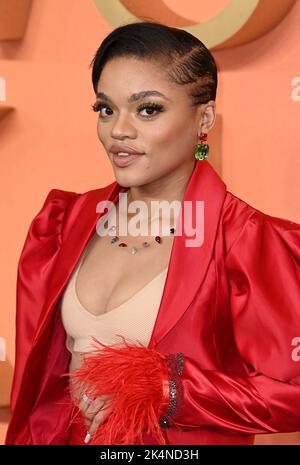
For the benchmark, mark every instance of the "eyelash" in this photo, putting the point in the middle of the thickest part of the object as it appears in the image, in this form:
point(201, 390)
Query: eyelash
point(154, 106)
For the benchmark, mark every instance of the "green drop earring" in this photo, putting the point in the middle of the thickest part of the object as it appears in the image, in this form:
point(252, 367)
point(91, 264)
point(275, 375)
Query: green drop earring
point(202, 149)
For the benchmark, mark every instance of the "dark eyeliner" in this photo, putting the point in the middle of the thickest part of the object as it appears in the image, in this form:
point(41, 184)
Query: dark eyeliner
point(97, 106)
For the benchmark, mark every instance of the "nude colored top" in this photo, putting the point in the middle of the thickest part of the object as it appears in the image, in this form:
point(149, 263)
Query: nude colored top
point(134, 319)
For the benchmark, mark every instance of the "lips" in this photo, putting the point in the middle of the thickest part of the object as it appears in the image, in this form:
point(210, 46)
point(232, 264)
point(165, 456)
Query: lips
point(125, 148)
point(124, 161)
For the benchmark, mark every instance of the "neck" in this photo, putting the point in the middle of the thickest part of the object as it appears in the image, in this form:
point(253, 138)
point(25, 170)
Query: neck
point(169, 188)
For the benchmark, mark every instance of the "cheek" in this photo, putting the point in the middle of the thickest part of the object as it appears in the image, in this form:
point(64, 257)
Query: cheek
point(164, 133)
point(100, 130)
point(104, 136)
point(171, 144)
point(172, 132)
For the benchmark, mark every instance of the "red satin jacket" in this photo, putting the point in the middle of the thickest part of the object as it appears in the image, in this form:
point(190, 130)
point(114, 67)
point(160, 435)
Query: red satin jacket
point(231, 306)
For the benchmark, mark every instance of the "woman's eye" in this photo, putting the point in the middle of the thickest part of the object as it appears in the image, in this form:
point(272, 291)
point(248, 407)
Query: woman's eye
point(153, 108)
point(98, 107)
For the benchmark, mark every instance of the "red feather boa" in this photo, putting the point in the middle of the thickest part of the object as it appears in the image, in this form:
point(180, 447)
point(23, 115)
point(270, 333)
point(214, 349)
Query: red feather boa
point(137, 381)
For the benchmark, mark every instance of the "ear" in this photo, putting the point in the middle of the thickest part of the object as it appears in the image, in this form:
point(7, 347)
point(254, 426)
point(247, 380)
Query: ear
point(207, 117)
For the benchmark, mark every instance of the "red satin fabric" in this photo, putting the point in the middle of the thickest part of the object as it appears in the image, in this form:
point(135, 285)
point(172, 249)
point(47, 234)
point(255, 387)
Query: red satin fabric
point(78, 432)
point(231, 306)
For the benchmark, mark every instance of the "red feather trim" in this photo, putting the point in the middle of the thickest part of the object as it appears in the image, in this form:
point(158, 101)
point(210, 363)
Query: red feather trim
point(135, 379)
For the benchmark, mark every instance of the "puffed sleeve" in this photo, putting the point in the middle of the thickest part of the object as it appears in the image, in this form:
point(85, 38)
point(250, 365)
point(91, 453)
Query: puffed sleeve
point(263, 267)
point(35, 267)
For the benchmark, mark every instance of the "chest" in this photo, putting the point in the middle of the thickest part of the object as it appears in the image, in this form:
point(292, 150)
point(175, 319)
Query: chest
point(109, 275)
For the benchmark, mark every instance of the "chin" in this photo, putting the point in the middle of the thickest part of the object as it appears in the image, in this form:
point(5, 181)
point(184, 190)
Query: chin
point(128, 179)
point(124, 181)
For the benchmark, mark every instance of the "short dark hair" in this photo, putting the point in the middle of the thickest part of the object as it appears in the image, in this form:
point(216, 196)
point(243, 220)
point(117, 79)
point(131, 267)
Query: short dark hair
point(183, 57)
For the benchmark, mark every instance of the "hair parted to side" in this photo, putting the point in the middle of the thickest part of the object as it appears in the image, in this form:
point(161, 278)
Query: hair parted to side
point(182, 57)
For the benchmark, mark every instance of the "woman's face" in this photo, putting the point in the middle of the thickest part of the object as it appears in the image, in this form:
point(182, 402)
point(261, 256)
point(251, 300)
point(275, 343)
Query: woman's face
point(165, 134)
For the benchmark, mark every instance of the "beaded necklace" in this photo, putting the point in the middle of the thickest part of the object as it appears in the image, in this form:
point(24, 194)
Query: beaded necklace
point(135, 249)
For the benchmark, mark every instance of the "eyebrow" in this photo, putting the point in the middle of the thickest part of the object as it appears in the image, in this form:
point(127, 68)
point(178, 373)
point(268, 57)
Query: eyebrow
point(136, 96)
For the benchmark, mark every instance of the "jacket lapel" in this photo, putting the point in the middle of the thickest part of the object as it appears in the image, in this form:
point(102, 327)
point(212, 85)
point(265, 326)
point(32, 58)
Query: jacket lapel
point(187, 266)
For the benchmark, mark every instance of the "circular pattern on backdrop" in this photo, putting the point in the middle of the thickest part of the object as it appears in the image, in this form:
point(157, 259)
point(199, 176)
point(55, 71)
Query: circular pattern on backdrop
point(237, 23)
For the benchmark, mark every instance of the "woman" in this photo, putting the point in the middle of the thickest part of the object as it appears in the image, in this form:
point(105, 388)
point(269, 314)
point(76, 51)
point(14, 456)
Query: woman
point(156, 340)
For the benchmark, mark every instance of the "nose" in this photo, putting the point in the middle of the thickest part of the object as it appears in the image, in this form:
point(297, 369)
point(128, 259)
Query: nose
point(123, 128)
